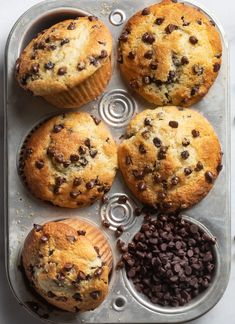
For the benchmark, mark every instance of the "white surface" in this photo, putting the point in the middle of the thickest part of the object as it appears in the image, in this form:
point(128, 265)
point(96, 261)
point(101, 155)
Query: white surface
point(10, 311)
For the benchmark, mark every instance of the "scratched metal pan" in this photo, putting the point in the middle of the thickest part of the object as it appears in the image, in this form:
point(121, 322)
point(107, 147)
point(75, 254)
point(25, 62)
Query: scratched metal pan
point(116, 108)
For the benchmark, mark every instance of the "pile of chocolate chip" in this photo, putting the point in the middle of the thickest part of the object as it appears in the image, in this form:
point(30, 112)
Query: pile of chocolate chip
point(170, 260)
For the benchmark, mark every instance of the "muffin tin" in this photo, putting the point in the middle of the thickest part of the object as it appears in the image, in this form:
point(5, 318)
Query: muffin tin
point(116, 107)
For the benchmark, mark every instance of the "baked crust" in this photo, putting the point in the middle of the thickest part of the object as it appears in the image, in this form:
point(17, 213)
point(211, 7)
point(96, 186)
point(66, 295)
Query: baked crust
point(171, 157)
point(63, 57)
point(64, 267)
point(70, 160)
point(170, 53)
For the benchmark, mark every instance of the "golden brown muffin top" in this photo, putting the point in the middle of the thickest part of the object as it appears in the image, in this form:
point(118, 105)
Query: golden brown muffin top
point(64, 55)
point(70, 160)
point(170, 53)
point(171, 157)
point(65, 267)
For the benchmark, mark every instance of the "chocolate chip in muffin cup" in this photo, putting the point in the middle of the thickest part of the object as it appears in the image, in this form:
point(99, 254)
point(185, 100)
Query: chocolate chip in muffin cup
point(170, 260)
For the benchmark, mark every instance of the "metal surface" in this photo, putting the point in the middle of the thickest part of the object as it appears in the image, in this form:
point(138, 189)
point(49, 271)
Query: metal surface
point(116, 107)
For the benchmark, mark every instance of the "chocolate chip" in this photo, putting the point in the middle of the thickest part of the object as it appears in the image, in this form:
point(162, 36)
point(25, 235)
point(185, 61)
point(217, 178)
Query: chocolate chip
point(122, 200)
point(77, 296)
point(142, 149)
point(199, 166)
point(74, 158)
point(197, 69)
point(195, 90)
point(98, 272)
point(68, 266)
point(175, 181)
point(219, 168)
point(71, 238)
point(96, 120)
point(95, 294)
point(193, 40)
point(184, 60)
point(145, 12)
point(81, 66)
point(157, 142)
point(37, 227)
point(39, 164)
point(81, 150)
point(185, 142)
point(170, 28)
point(128, 160)
point(90, 185)
point(185, 155)
point(93, 153)
point(50, 294)
point(138, 211)
point(49, 65)
point(58, 128)
point(64, 41)
point(59, 181)
point(134, 84)
point(106, 223)
point(141, 186)
point(173, 124)
point(148, 55)
point(71, 26)
point(162, 153)
point(124, 37)
point(74, 194)
point(62, 71)
point(87, 142)
point(81, 232)
point(35, 68)
point(187, 171)
point(103, 54)
point(146, 80)
point(43, 239)
point(92, 18)
point(216, 67)
point(148, 38)
point(153, 66)
point(52, 47)
point(159, 21)
point(157, 178)
point(195, 133)
point(209, 177)
point(139, 175)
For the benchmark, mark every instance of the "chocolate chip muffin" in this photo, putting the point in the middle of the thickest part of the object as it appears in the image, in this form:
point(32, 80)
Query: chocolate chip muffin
point(64, 267)
point(68, 64)
point(170, 158)
point(170, 53)
point(70, 160)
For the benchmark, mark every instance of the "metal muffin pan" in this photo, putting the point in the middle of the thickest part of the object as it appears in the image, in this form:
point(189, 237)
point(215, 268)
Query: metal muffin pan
point(116, 107)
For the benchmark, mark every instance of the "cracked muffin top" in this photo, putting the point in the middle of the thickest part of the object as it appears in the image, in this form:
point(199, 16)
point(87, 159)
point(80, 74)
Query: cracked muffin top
point(64, 55)
point(64, 267)
point(170, 158)
point(170, 53)
point(70, 160)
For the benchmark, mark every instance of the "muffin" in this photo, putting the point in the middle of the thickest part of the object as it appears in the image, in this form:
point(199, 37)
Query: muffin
point(64, 267)
point(68, 64)
point(170, 53)
point(95, 236)
point(70, 160)
point(170, 158)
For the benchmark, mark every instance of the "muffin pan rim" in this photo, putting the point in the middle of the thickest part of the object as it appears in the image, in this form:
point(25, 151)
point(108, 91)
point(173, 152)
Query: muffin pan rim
point(6, 104)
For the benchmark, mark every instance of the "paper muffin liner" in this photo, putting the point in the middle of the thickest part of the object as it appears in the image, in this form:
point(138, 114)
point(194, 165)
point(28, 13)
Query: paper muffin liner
point(97, 238)
point(85, 92)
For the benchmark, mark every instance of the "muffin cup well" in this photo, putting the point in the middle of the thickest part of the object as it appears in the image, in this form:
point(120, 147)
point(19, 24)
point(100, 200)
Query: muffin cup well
point(195, 301)
point(85, 92)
